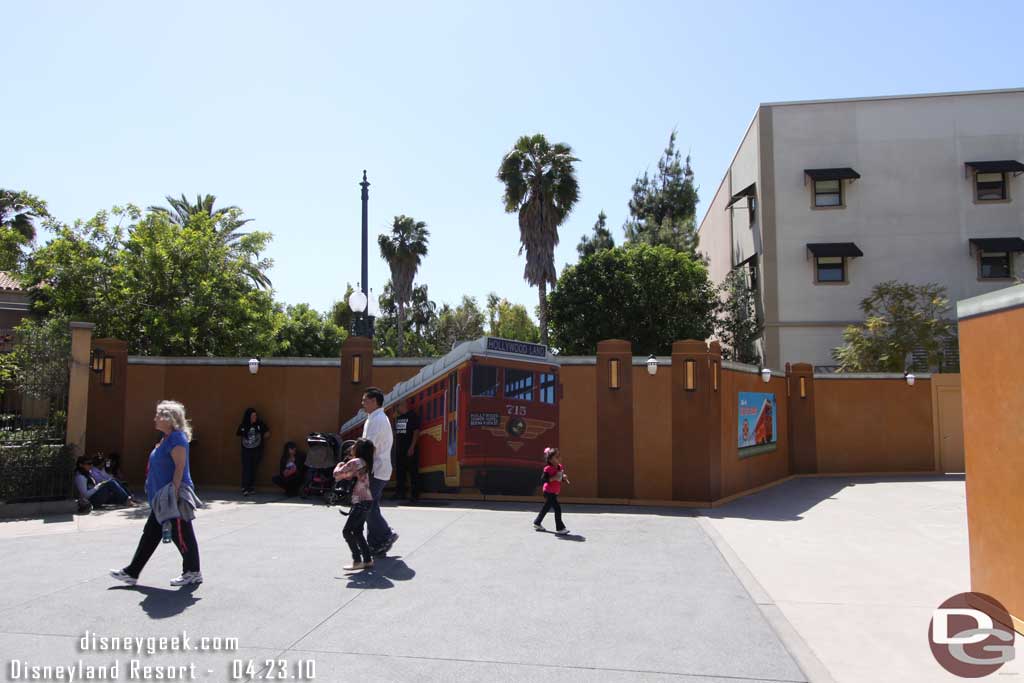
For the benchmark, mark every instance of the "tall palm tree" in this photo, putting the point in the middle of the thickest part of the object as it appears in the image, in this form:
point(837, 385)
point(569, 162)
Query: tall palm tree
point(404, 250)
point(540, 184)
point(227, 218)
point(19, 210)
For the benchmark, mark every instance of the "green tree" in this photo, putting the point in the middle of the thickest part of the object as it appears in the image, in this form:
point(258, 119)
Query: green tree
point(307, 333)
point(403, 251)
point(465, 322)
point(663, 210)
point(510, 321)
point(166, 289)
point(420, 328)
point(899, 319)
point(341, 314)
point(651, 296)
point(18, 214)
point(541, 186)
point(225, 223)
point(601, 238)
point(737, 326)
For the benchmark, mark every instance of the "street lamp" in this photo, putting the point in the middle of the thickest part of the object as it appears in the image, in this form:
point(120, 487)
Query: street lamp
point(652, 365)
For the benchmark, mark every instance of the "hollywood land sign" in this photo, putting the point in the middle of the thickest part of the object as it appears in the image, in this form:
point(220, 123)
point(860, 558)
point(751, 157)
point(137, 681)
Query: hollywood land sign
point(519, 348)
point(970, 636)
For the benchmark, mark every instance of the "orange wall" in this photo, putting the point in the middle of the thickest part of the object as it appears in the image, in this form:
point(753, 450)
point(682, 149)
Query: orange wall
point(741, 474)
point(992, 377)
point(577, 429)
point(873, 425)
point(652, 434)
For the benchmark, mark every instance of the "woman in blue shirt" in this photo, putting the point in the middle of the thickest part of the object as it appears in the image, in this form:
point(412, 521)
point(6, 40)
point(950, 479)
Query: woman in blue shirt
point(168, 463)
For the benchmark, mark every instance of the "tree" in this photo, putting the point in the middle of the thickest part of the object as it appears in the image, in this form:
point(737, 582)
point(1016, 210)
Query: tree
point(600, 239)
point(308, 333)
point(225, 223)
point(737, 326)
point(420, 332)
point(899, 319)
point(403, 251)
point(651, 296)
point(465, 322)
point(165, 288)
point(510, 321)
point(540, 185)
point(663, 210)
point(18, 213)
point(341, 314)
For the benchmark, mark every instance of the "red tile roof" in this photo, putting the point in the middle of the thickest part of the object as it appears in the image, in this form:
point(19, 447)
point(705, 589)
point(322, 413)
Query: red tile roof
point(9, 283)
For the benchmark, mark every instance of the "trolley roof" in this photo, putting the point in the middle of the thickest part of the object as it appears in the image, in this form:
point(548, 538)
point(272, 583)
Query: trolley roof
point(484, 347)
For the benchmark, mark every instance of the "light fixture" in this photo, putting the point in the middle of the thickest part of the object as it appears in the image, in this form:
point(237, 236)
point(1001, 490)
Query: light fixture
point(714, 375)
point(372, 306)
point(613, 372)
point(108, 371)
point(766, 375)
point(652, 365)
point(690, 378)
point(357, 369)
point(96, 360)
point(357, 302)
point(909, 376)
point(254, 365)
point(803, 387)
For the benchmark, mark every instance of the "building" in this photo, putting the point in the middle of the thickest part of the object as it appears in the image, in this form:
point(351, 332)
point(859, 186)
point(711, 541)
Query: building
point(825, 199)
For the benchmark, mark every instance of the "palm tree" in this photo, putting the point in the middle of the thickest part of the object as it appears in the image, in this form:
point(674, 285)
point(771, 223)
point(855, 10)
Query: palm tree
point(18, 211)
point(403, 251)
point(540, 184)
point(228, 219)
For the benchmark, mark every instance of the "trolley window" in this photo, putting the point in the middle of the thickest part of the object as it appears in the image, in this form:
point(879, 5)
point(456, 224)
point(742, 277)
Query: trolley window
point(547, 388)
point(453, 387)
point(485, 381)
point(519, 384)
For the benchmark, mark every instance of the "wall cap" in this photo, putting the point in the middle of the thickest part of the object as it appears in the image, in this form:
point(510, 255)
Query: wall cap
point(82, 326)
point(749, 369)
point(1000, 300)
point(869, 375)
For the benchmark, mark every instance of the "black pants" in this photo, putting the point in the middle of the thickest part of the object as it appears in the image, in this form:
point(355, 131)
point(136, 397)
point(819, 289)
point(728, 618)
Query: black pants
point(182, 535)
point(353, 531)
point(551, 503)
point(407, 465)
point(291, 485)
point(250, 461)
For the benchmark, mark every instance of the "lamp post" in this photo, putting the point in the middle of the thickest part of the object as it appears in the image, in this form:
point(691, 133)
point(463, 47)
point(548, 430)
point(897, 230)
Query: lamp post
point(363, 323)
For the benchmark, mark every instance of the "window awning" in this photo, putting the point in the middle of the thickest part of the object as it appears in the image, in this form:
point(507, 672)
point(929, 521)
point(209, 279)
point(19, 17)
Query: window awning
point(831, 173)
point(1005, 166)
point(848, 249)
point(1015, 244)
point(748, 191)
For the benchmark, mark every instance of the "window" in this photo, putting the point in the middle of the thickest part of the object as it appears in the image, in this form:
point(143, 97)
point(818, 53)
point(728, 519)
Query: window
point(752, 265)
point(990, 186)
point(828, 193)
point(752, 208)
point(830, 268)
point(519, 384)
point(547, 388)
point(485, 381)
point(994, 265)
point(453, 388)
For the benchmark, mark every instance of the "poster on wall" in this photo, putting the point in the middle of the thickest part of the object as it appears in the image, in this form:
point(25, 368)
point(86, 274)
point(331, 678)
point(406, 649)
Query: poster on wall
point(758, 429)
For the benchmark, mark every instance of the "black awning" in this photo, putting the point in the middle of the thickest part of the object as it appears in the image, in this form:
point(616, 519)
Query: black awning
point(835, 249)
point(831, 173)
point(748, 191)
point(1005, 166)
point(1015, 244)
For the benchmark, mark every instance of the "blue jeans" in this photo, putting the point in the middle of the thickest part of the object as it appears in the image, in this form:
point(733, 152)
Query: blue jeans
point(377, 530)
point(109, 492)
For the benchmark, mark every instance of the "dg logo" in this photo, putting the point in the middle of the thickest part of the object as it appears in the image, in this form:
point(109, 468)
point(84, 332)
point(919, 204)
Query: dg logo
point(971, 635)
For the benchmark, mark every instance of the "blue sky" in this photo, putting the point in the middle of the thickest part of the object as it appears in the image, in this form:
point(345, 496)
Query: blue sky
point(277, 108)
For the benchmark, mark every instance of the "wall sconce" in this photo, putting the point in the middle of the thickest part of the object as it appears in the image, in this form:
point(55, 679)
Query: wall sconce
point(803, 387)
point(691, 375)
point(652, 365)
point(909, 376)
point(254, 366)
point(108, 371)
point(613, 373)
point(766, 375)
point(714, 375)
point(357, 369)
point(96, 360)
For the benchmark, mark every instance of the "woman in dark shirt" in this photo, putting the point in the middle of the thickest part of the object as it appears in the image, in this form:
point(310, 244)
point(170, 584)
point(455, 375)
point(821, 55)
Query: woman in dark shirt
point(254, 433)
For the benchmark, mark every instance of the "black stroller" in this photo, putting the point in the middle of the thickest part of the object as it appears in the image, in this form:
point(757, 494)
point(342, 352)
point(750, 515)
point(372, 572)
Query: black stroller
point(323, 451)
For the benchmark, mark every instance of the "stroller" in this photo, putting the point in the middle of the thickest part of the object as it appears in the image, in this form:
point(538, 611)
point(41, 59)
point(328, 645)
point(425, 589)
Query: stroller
point(322, 455)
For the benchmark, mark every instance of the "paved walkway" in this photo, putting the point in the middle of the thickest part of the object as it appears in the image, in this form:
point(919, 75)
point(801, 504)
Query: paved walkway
point(816, 579)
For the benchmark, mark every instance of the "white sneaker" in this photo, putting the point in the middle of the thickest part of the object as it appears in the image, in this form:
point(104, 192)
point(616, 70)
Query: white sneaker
point(563, 532)
point(122, 575)
point(538, 527)
point(188, 578)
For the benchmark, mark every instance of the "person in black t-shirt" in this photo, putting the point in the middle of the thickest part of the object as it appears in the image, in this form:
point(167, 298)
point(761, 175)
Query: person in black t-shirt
point(407, 431)
point(254, 433)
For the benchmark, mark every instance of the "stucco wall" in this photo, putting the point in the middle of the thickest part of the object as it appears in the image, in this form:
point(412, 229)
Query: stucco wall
point(742, 474)
point(652, 434)
point(577, 429)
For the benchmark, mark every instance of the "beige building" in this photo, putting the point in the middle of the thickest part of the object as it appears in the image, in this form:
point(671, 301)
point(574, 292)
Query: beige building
point(825, 199)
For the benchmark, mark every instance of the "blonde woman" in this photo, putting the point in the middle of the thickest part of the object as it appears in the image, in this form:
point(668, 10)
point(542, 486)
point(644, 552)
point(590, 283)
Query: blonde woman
point(168, 465)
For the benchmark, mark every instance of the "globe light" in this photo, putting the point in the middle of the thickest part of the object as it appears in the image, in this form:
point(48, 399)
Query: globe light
point(254, 365)
point(909, 376)
point(652, 365)
point(766, 375)
point(373, 306)
point(357, 302)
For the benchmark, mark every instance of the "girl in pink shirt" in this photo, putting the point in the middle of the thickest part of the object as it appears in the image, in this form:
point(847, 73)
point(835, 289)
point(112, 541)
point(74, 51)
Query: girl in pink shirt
point(360, 467)
point(554, 475)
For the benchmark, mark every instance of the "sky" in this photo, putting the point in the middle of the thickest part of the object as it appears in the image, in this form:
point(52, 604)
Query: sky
point(278, 107)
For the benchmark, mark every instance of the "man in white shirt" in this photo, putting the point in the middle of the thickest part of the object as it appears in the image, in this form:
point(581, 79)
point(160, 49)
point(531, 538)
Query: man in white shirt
point(377, 429)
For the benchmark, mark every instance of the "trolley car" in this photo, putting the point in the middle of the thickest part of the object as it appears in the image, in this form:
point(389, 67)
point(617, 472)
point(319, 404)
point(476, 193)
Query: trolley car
point(487, 411)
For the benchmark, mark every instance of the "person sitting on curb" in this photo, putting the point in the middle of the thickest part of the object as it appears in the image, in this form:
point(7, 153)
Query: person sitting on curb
point(95, 487)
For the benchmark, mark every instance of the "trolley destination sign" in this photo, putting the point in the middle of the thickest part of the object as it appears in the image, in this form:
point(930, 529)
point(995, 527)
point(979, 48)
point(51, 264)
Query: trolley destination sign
point(518, 348)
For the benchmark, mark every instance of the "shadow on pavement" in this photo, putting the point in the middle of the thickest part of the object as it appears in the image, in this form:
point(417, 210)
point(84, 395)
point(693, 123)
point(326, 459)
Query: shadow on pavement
point(579, 538)
point(161, 603)
point(385, 572)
